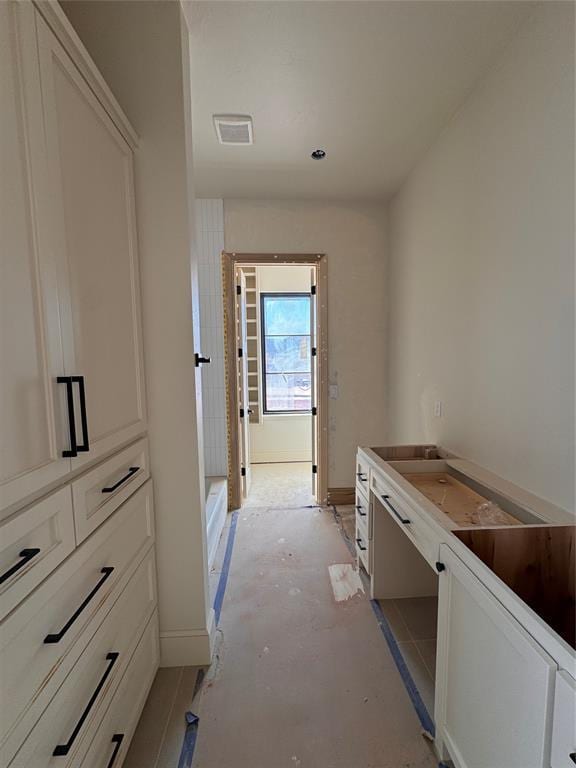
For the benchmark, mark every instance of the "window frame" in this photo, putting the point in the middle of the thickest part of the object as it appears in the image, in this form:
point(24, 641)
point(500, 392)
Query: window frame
point(280, 295)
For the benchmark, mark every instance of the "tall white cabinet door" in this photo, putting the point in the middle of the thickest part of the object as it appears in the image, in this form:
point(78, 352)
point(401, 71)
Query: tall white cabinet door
point(91, 173)
point(31, 436)
point(494, 683)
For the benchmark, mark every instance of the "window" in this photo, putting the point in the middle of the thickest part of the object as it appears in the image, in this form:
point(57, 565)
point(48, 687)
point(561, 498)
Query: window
point(286, 369)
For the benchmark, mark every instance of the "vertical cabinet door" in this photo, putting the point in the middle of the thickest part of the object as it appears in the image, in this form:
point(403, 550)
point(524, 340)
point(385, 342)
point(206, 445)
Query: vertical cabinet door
point(494, 683)
point(91, 175)
point(31, 358)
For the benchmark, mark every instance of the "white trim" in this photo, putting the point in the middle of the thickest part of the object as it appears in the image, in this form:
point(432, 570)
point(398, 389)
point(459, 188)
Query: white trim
point(188, 647)
point(64, 31)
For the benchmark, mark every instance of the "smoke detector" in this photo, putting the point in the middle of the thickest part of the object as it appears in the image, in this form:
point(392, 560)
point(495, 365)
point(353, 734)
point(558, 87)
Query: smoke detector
point(234, 129)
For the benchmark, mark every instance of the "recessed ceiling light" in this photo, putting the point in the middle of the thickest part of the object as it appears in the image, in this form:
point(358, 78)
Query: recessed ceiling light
point(318, 154)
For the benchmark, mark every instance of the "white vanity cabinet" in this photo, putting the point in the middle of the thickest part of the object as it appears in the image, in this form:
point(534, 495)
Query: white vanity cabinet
point(494, 683)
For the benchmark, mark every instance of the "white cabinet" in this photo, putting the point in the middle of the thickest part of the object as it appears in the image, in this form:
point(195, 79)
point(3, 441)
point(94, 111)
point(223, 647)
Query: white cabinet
point(31, 354)
point(70, 304)
point(564, 724)
point(494, 683)
point(91, 177)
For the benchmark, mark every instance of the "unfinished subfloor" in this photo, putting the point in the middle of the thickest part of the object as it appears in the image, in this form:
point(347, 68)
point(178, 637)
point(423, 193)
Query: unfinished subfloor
point(281, 485)
point(299, 678)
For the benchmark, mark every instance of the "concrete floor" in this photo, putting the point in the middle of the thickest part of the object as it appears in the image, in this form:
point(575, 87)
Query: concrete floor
point(281, 485)
point(301, 680)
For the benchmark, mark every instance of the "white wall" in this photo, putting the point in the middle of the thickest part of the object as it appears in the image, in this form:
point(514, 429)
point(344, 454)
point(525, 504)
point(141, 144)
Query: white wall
point(138, 48)
point(281, 437)
point(354, 238)
point(481, 282)
point(210, 240)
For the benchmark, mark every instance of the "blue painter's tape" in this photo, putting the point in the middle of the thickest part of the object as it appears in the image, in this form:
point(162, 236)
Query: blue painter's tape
point(219, 599)
point(423, 714)
point(189, 743)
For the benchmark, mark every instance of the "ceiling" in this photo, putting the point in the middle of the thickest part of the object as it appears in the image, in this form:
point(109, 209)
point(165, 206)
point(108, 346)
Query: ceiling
point(372, 83)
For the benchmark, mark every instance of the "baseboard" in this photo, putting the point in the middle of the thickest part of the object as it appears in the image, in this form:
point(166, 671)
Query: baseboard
point(188, 647)
point(341, 496)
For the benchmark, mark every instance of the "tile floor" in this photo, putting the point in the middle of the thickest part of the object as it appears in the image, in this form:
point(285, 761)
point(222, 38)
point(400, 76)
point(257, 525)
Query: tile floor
point(281, 485)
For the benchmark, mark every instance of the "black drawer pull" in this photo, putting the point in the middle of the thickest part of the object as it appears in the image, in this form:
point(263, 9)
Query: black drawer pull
point(572, 756)
point(360, 545)
point(360, 511)
point(62, 749)
point(127, 476)
point(55, 638)
point(117, 740)
point(362, 477)
point(386, 500)
point(26, 555)
point(201, 360)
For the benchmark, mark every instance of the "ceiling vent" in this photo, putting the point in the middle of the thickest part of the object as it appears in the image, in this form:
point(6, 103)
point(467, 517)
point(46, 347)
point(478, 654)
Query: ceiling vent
point(234, 129)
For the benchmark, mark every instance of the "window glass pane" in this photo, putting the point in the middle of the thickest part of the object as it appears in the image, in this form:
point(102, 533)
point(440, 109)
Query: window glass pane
point(288, 392)
point(285, 315)
point(287, 354)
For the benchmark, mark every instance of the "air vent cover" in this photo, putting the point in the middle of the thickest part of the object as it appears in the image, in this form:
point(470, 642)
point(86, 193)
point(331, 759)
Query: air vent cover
point(234, 129)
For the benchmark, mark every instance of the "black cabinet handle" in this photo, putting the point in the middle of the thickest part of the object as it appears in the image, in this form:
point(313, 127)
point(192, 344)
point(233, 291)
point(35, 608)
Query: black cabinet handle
point(26, 555)
point(62, 749)
point(199, 360)
point(362, 477)
point(72, 451)
point(55, 638)
point(440, 567)
point(572, 756)
point(360, 511)
point(117, 740)
point(85, 446)
point(386, 500)
point(127, 476)
point(360, 545)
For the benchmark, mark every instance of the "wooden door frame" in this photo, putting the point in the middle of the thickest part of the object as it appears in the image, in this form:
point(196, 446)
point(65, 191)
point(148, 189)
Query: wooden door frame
point(229, 263)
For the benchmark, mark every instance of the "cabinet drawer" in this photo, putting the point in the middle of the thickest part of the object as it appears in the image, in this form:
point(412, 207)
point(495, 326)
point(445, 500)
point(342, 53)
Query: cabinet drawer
point(112, 739)
point(421, 535)
point(32, 544)
point(101, 490)
point(72, 603)
point(80, 703)
point(363, 513)
point(363, 547)
point(564, 722)
point(362, 475)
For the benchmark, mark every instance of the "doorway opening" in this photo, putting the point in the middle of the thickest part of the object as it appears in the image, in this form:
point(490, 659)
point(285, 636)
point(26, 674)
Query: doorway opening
point(276, 348)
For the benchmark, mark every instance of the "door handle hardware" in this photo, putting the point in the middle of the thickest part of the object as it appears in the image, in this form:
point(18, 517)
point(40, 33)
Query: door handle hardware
point(26, 555)
point(55, 638)
point(440, 567)
point(85, 446)
point(362, 477)
point(360, 545)
point(62, 749)
point(117, 740)
point(572, 756)
point(127, 476)
point(199, 360)
point(72, 451)
point(392, 508)
point(360, 511)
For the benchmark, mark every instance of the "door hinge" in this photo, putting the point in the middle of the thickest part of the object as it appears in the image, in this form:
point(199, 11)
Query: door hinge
point(240, 352)
point(314, 411)
point(238, 290)
point(313, 351)
point(241, 413)
point(313, 290)
point(314, 469)
point(243, 471)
